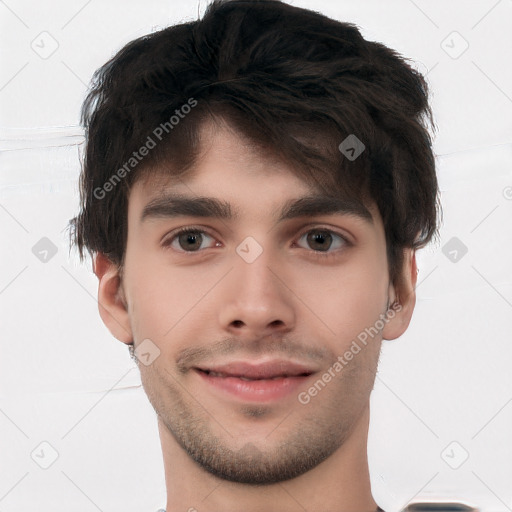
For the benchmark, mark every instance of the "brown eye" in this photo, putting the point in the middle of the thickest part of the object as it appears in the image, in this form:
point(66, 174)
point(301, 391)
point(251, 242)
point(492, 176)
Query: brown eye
point(190, 241)
point(187, 240)
point(319, 240)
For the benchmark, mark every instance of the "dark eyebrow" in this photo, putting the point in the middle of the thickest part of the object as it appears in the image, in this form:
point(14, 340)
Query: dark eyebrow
point(172, 205)
point(311, 206)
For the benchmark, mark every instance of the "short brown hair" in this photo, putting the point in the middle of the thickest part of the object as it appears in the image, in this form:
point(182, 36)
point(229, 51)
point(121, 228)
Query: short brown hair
point(293, 81)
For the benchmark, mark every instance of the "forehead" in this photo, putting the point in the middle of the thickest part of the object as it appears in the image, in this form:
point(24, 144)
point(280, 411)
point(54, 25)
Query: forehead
point(232, 174)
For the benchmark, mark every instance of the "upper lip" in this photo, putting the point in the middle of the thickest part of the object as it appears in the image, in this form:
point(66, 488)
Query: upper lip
point(261, 370)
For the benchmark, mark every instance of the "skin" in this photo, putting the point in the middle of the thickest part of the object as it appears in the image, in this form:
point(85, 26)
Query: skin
point(291, 302)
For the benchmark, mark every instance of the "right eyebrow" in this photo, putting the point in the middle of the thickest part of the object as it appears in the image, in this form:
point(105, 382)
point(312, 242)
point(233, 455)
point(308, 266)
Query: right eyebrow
point(173, 205)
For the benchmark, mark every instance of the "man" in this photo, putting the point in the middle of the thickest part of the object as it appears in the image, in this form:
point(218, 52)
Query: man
point(254, 189)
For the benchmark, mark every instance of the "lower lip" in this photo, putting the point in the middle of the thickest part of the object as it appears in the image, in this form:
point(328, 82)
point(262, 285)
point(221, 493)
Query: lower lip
point(264, 390)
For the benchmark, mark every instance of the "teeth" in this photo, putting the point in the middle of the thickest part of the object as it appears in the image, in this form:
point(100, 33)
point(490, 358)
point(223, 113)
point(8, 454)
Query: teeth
point(218, 374)
point(263, 378)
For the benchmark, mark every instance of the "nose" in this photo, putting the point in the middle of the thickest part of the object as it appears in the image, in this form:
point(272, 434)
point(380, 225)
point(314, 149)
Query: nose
point(257, 300)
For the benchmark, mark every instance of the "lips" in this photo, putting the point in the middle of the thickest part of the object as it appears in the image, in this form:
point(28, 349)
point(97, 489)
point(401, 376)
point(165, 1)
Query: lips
point(263, 371)
point(255, 382)
point(242, 377)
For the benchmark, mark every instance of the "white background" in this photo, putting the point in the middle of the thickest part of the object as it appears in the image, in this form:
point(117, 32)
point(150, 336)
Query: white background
point(444, 389)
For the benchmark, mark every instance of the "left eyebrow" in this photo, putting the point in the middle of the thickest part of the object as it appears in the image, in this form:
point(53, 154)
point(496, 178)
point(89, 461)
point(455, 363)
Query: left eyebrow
point(173, 205)
point(311, 206)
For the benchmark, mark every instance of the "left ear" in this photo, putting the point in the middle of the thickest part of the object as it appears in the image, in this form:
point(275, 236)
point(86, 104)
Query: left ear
point(404, 294)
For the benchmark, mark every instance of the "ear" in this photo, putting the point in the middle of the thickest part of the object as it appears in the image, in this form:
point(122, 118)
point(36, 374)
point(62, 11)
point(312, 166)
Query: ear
point(111, 301)
point(404, 293)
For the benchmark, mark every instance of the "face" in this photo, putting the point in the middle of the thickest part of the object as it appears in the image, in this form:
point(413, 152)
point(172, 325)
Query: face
point(248, 319)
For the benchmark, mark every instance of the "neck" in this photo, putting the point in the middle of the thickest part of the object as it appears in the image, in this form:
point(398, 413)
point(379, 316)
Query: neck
point(340, 483)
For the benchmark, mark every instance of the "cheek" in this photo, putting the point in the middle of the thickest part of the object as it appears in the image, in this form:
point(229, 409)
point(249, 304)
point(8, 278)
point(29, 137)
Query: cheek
point(344, 300)
point(165, 299)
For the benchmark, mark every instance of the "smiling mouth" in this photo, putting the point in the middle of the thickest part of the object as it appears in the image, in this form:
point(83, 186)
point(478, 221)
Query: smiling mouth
point(247, 381)
point(212, 373)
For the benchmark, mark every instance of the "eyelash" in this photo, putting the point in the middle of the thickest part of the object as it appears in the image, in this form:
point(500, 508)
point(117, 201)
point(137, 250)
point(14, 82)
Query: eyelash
point(166, 244)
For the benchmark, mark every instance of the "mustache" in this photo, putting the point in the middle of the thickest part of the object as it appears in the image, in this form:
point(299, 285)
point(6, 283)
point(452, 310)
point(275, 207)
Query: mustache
point(193, 356)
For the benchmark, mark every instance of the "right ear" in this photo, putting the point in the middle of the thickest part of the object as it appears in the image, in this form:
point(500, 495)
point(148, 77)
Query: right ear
point(111, 302)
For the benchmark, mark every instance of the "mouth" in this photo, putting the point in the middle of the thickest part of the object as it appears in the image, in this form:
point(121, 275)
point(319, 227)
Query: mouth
point(263, 382)
point(244, 377)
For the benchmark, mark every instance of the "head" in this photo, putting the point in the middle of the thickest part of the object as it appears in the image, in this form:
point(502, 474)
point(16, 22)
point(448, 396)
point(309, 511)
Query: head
point(231, 126)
